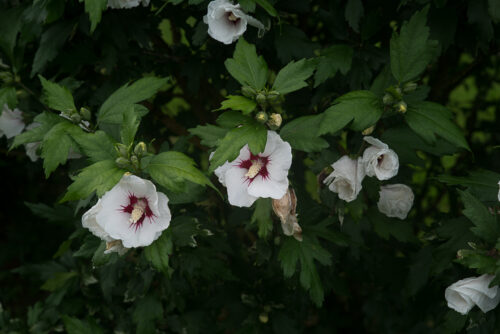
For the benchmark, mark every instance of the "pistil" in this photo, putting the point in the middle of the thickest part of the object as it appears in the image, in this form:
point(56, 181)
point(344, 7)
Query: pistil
point(232, 17)
point(138, 211)
point(254, 169)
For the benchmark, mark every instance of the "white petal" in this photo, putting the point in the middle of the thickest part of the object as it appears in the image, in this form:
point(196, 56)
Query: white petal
point(375, 142)
point(270, 187)
point(31, 149)
point(89, 221)
point(395, 200)
point(11, 122)
point(221, 170)
point(237, 188)
point(464, 294)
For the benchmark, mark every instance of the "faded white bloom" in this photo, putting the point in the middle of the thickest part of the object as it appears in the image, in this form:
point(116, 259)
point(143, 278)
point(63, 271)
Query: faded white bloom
point(395, 200)
point(464, 294)
point(263, 175)
point(227, 22)
point(379, 160)
point(346, 178)
point(284, 208)
point(31, 148)
point(132, 212)
point(126, 3)
point(11, 122)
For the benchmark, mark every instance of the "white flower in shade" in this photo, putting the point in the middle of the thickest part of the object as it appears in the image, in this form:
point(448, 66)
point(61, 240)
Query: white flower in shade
point(379, 160)
point(263, 175)
point(126, 3)
point(395, 200)
point(132, 212)
point(227, 22)
point(464, 294)
point(11, 122)
point(346, 178)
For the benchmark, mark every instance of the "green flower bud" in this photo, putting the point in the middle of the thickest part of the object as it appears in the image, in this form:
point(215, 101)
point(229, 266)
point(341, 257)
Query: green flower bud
point(409, 87)
point(401, 107)
point(140, 148)
point(248, 91)
point(368, 131)
point(264, 318)
point(261, 99)
point(122, 150)
point(135, 161)
point(6, 77)
point(261, 117)
point(85, 113)
point(388, 99)
point(75, 118)
point(122, 162)
point(273, 96)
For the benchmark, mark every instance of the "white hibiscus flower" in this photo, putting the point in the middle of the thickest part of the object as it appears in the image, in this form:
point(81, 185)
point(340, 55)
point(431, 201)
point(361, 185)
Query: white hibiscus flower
point(463, 295)
point(132, 213)
point(126, 3)
point(11, 122)
point(379, 160)
point(263, 175)
point(227, 22)
point(346, 178)
point(395, 200)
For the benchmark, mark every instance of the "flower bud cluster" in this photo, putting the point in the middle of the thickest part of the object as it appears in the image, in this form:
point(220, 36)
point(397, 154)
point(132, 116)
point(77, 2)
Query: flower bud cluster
point(393, 97)
point(128, 158)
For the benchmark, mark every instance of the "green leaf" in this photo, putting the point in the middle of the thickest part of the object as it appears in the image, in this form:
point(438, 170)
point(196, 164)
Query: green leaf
point(57, 97)
point(386, 227)
point(411, 50)
point(252, 133)
point(147, 310)
point(302, 134)
point(292, 77)
point(56, 145)
point(99, 177)
point(129, 126)
point(362, 107)
point(262, 217)
point(429, 119)
point(209, 134)
point(335, 58)
point(8, 96)
point(232, 119)
point(353, 12)
point(58, 280)
point(237, 102)
point(171, 168)
point(99, 258)
point(158, 252)
point(77, 326)
point(486, 226)
point(10, 25)
point(494, 10)
point(483, 184)
point(246, 66)
point(97, 146)
point(306, 252)
point(51, 41)
point(46, 120)
point(117, 103)
point(268, 7)
point(183, 230)
point(95, 8)
point(480, 260)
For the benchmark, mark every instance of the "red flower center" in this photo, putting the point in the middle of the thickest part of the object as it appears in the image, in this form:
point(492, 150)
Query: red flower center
point(255, 165)
point(139, 209)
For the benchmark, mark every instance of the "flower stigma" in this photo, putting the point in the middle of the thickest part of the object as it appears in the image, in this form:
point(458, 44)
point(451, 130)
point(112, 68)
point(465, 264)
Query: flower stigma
point(254, 169)
point(232, 17)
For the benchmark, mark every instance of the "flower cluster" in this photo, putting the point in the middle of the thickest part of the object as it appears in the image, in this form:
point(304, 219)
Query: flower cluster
point(377, 160)
point(132, 214)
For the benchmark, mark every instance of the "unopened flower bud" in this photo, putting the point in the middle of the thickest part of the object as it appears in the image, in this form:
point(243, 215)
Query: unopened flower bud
point(140, 148)
point(248, 91)
point(261, 99)
point(274, 121)
point(75, 118)
point(388, 99)
point(284, 208)
point(122, 162)
point(264, 318)
point(135, 161)
point(122, 150)
point(6, 77)
point(368, 131)
point(460, 254)
point(409, 87)
point(273, 96)
point(401, 107)
point(261, 117)
point(85, 113)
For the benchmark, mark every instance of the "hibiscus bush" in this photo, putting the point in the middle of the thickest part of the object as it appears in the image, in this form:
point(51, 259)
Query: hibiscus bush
point(261, 166)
